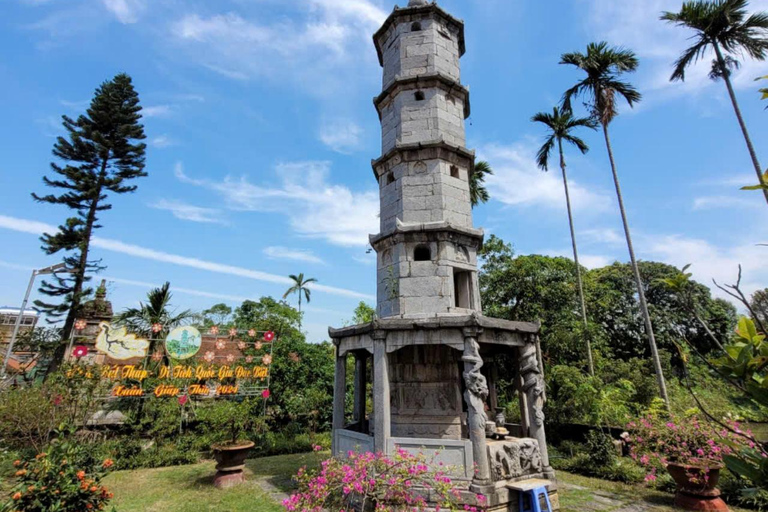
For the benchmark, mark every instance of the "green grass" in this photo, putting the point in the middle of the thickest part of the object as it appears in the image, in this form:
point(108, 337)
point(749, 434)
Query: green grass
point(189, 488)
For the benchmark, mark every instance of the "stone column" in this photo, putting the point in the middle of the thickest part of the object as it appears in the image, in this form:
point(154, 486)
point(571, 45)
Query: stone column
point(360, 388)
point(339, 395)
point(533, 387)
point(525, 422)
point(382, 410)
point(475, 394)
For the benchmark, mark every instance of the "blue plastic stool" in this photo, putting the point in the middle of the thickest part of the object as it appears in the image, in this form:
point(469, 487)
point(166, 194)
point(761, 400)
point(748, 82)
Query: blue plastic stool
point(533, 496)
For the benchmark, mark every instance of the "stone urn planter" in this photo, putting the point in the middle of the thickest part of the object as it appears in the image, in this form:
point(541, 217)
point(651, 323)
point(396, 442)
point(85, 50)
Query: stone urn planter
point(697, 485)
point(230, 462)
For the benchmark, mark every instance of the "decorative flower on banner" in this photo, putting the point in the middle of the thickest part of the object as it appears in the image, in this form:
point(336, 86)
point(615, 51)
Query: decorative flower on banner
point(269, 336)
point(241, 345)
point(267, 359)
point(220, 344)
point(214, 330)
point(80, 351)
point(156, 328)
point(157, 357)
point(230, 358)
point(265, 393)
point(294, 357)
point(258, 345)
point(249, 359)
point(252, 333)
point(80, 324)
point(209, 356)
point(233, 332)
point(183, 399)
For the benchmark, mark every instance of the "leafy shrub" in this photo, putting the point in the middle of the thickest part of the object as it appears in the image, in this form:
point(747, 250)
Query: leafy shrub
point(601, 449)
point(63, 479)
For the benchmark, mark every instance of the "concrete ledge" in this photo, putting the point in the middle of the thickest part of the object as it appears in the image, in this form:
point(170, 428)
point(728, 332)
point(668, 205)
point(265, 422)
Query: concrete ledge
point(415, 152)
point(450, 85)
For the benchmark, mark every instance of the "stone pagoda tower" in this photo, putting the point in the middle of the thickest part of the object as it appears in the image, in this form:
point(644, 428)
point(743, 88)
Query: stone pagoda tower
point(433, 358)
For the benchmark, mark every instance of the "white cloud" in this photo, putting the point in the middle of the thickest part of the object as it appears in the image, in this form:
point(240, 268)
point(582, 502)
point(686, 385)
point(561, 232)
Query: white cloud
point(157, 111)
point(725, 202)
point(590, 261)
point(37, 228)
point(607, 236)
point(284, 253)
point(319, 48)
point(636, 25)
point(185, 211)
point(517, 181)
point(126, 11)
point(162, 141)
point(712, 262)
point(314, 207)
point(341, 135)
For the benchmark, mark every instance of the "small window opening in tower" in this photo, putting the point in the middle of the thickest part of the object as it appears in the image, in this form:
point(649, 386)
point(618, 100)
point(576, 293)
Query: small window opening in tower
point(419, 95)
point(462, 289)
point(454, 171)
point(422, 253)
point(390, 178)
point(416, 27)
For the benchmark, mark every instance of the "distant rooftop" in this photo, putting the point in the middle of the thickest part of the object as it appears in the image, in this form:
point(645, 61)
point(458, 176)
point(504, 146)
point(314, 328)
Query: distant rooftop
point(8, 310)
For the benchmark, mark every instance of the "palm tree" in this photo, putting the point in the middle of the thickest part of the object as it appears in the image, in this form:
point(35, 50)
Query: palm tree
point(724, 26)
point(604, 65)
point(155, 312)
point(300, 286)
point(561, 124)
point(477, 191)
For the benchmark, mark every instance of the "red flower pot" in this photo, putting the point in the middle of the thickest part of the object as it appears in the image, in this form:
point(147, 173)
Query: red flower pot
point(697, 485)
point(230, 463)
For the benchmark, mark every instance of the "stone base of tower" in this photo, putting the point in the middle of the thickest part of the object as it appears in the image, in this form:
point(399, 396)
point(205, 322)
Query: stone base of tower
point(434, 381)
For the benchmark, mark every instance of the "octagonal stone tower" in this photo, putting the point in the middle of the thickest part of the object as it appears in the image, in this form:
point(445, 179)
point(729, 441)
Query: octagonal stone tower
point(434, 360)
point(427, 247)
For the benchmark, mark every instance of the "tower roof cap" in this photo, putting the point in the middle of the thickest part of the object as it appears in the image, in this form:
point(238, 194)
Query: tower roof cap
point(417, 7)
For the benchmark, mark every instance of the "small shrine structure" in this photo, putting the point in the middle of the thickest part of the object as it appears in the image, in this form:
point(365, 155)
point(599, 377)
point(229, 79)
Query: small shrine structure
point(433, 358)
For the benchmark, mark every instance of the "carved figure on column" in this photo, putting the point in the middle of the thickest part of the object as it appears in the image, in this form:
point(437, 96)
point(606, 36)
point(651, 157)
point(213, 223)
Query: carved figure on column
point(476, 386)
point(533, 381)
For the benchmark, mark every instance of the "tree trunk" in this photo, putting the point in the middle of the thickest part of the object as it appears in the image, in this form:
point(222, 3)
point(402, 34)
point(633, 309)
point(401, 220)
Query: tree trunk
point(60, 352)
point(740, 118)
point(636, 270)
point(300, 318)
point(576, 260)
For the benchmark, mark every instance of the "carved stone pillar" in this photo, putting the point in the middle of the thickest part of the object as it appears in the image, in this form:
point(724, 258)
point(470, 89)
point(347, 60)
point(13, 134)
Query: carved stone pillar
point(533, 387)
point(339, 394)
point(360, 388)
point(475, 394)
point(382, 410)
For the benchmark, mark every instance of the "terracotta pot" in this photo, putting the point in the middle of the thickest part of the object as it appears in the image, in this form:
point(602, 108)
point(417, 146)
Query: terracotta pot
point(230, 461)
point(697, 485)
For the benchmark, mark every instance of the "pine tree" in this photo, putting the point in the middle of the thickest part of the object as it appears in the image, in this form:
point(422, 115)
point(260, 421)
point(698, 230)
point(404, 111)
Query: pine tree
point(101, 153)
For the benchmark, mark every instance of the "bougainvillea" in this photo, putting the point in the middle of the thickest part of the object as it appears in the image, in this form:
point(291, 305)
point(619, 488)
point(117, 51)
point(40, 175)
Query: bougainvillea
point(379, 482)
point(59, 480)
point(656, 442)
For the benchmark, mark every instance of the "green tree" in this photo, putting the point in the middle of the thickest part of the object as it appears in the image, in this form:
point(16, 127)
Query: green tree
point(725, 27)
point(601, 89)
point(759, 304)
point(268, 314)
point(364, 314)
point(300, 286)
point(157, 310)
point(561, 125)
point(477, 191)
point(101, 155)
point(218, 314)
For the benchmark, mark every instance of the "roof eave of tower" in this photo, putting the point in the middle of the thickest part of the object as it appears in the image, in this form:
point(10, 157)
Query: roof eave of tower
point(405, 11)
point(449, 83)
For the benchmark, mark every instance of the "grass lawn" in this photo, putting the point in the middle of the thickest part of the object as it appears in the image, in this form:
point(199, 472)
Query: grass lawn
point(189, 489)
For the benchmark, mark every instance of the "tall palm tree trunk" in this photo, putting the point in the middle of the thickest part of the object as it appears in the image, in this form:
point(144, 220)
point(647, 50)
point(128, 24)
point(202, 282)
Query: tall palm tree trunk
point(300, 317)
point(640, 292)
point(576, 259)
point(742, 124)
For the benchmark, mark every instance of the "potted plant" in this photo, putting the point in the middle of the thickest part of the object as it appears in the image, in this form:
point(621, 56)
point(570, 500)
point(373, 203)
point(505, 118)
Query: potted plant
point(228, 421)
point(691, 452)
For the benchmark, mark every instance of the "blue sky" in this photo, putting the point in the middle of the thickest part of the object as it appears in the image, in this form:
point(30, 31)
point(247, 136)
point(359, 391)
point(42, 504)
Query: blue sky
point(261, 131)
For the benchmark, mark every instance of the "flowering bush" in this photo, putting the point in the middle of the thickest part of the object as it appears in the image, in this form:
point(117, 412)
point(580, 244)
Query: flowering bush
point(58, 481)
point(656, 442)
point(374, 482)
